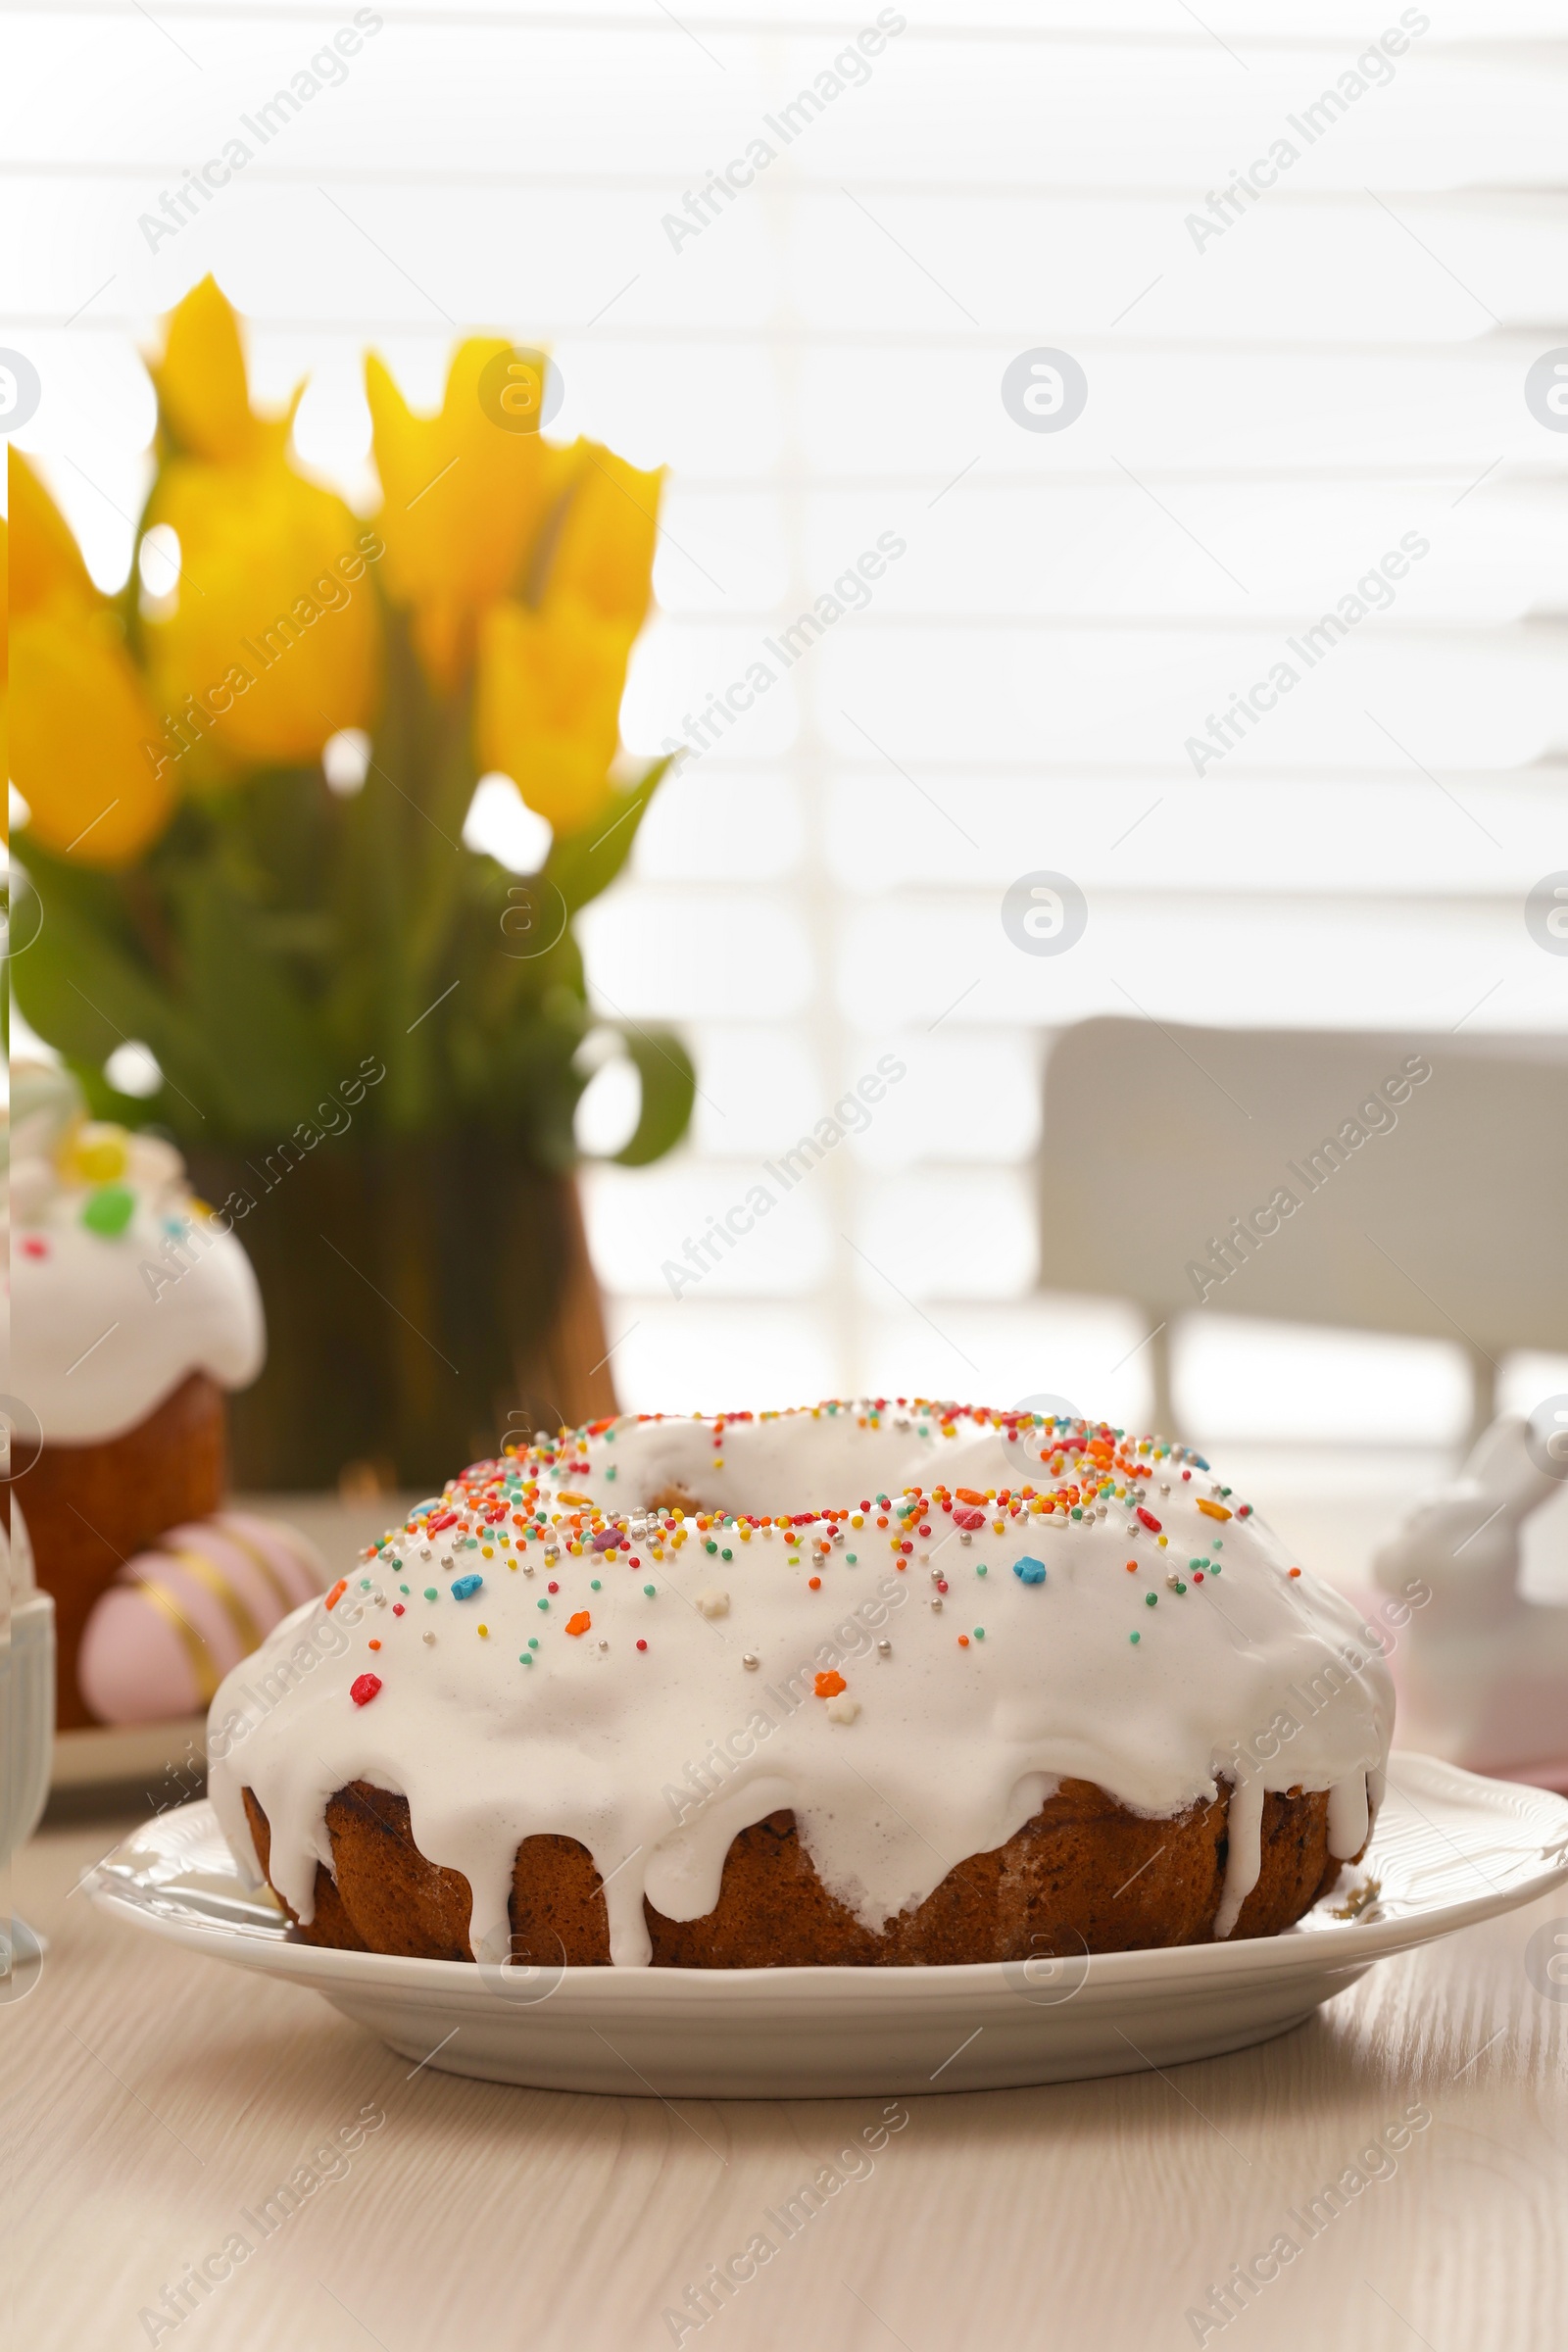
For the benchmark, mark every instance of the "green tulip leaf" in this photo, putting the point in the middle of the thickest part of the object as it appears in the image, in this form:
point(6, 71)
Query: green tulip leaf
point(669, 1081)
point(583, 864)
point(82, 986)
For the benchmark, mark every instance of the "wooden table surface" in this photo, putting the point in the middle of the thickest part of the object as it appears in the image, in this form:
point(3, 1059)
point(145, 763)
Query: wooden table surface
point(154, 2096)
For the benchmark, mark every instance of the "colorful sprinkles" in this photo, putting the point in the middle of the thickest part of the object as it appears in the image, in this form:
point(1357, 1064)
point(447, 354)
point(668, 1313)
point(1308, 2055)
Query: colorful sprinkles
point(530, 1505)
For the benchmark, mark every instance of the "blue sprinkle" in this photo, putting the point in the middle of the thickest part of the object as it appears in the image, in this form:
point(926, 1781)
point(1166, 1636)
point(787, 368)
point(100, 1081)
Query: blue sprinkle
point(1029, 1572)
point(1198, 1461)
point(465, 1585)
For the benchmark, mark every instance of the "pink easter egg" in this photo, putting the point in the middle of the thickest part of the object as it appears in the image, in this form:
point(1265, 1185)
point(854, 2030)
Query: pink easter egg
point(161, 1640)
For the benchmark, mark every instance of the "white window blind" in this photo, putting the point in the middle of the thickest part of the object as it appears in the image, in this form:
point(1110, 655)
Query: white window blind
point(1294, 365)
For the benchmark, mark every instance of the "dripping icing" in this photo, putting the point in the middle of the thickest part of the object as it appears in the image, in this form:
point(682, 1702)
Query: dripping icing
point(656, 1759)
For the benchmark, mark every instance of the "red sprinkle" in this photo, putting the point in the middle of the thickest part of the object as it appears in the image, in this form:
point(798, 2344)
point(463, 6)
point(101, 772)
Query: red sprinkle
point(337, 1592)
point(815, 1582)
point(434, 1527)
point(1296, 1572)
point(553, 1587)
point(964, 1516)
point(397, 1608)
point(641, 1645)
point(1148, 1519)
point(373, 1645)
point(364, 1689)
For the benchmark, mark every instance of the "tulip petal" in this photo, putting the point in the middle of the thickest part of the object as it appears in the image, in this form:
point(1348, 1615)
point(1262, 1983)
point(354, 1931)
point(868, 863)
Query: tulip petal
point(275, 633)
point(547, 704)
point(605, 554)
point(84, 744)
point(465, 502)
point(200, 378)
point(44, 559)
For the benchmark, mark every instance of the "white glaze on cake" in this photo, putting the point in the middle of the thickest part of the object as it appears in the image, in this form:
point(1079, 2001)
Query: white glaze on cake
point(954, 1737)
point(121, 1284)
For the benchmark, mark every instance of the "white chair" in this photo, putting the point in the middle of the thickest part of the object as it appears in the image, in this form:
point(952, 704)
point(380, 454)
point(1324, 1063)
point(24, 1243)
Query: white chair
point(1391, 1200)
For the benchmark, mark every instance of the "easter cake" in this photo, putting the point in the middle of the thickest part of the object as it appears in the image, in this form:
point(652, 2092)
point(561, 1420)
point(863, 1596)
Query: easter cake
point(877, 1682)
point(132, 1313)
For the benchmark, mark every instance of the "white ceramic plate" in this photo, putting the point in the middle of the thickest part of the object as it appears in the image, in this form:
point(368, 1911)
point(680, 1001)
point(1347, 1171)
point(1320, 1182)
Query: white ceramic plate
point(1449, 1849)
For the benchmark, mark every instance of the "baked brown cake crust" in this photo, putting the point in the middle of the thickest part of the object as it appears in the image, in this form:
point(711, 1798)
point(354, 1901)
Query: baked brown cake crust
point(89, 1508)
point(1085, 1873)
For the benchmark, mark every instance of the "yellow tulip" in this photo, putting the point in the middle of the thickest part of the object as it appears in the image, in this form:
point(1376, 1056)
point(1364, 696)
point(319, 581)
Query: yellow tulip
point(605, 553)
point(83, 749)
point(44, 559)
point(547, 709)
point(464, 501)
point(81, 733)
point(202, 395)
point(274, 640)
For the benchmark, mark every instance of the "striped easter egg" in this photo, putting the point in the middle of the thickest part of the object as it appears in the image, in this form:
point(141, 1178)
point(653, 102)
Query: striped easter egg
point(161, 1640)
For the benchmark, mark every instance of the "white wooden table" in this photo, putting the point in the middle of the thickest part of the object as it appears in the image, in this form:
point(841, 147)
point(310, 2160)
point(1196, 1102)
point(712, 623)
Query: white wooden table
point(155, 2098)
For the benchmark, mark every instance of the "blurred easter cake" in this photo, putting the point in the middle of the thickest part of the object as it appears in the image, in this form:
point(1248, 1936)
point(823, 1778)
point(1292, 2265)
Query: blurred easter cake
point(132, 1311)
